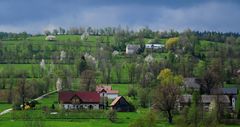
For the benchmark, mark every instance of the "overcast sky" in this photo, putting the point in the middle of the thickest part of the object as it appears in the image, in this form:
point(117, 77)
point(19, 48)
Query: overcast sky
point(34, 16)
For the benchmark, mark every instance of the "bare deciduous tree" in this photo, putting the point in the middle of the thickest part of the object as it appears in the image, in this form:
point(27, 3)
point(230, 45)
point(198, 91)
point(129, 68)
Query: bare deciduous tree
point(87, 80)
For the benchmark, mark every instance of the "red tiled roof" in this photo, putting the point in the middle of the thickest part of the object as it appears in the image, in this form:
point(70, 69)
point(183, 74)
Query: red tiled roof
point(101, 87)
point(113, 91)
point(108, 89)
point(86, 97)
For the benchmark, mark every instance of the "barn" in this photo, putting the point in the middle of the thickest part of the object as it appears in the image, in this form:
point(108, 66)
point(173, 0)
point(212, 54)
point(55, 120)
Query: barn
point(120, 104)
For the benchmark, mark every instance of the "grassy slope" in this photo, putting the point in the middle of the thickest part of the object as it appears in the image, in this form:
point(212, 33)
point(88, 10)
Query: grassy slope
point(124, 118)
point(122, 88)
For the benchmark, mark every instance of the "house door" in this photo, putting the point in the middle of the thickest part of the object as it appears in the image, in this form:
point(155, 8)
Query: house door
point(90, 107)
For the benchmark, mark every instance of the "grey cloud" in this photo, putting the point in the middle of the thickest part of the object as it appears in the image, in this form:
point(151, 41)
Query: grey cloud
point(36, 16)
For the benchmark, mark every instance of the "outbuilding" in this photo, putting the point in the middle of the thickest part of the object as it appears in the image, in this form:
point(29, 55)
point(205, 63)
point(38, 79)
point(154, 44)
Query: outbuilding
point(120, 104)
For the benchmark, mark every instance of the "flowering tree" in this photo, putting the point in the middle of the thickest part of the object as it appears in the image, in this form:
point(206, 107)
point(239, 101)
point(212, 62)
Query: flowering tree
point(59, 84)
point(167, 92)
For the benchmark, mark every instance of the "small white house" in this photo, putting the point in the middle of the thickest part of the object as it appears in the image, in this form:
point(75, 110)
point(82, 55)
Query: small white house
point(154, 46)
point(106, 91)
point(50, 38)
point(132, 49)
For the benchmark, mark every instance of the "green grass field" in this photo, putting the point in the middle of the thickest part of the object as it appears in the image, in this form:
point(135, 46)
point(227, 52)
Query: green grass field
point(81, 123)
point(4, 106)
point(13, 119)
point(122, 88)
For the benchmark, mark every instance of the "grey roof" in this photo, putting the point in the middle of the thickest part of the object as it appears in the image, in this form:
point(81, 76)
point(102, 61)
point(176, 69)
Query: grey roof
point(204, 98)
point(210, 98)
point(133, 47)
point(185, 98)
point(191, 83)
point(225, 91)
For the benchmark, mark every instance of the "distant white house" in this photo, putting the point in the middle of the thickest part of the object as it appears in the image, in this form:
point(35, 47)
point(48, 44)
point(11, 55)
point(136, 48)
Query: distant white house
point(154, 46)
point(50, 38)
point(106, 91)
point(132, 49)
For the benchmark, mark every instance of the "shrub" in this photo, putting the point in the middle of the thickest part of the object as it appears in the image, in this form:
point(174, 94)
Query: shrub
point(53, 107)
point(132, 93)
point(112, 115)
point(150, 120)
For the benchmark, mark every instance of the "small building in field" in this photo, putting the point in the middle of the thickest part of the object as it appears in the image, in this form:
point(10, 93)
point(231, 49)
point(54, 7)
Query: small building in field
point(222, 99)
point(106, 91)
point(50, 38)
point(230, 92)
point(120, 104)
point(71, 100)
point(132, 49)
point(205, 101)
point(191, 84)
point(184, 101)
point(154, 46)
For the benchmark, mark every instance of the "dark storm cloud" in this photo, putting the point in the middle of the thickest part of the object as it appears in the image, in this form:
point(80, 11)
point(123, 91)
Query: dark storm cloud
point(36, 15)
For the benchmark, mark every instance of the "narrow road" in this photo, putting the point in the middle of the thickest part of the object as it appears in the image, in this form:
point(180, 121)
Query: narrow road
point(36, 99)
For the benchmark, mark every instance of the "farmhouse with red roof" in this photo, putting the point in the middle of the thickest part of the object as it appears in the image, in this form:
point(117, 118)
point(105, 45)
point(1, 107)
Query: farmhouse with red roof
point(79, 100)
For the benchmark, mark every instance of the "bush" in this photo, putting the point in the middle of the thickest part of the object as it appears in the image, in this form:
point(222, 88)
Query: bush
point(53, 107)
point(16, 107)
point(150, 120)
point(33, 103)
point(132, 93)
point(112, 115)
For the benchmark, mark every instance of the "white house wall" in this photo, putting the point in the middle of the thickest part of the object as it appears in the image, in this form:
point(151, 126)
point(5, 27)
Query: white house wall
point(109, 95)
point(112, 96)
point(77, 106)
point(130, 51)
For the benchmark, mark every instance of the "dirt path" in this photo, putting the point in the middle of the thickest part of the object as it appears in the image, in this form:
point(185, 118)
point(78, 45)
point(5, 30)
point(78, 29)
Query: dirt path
point(36, 99)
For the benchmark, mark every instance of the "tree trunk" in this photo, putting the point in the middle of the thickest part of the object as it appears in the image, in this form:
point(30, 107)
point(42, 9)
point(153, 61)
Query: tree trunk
point(169, 116)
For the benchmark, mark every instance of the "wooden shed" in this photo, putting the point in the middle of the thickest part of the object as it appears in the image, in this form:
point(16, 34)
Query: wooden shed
point(120, 104)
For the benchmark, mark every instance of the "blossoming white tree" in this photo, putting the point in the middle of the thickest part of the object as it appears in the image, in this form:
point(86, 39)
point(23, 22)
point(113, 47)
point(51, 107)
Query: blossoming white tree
point(42, 64)
point(90, 59)
point(149, 58)
point(62, 55)
point(84, 36)
point(59, 84)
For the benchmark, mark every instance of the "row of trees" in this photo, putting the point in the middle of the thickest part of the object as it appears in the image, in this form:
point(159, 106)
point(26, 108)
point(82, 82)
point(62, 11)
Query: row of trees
point(14, 36)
